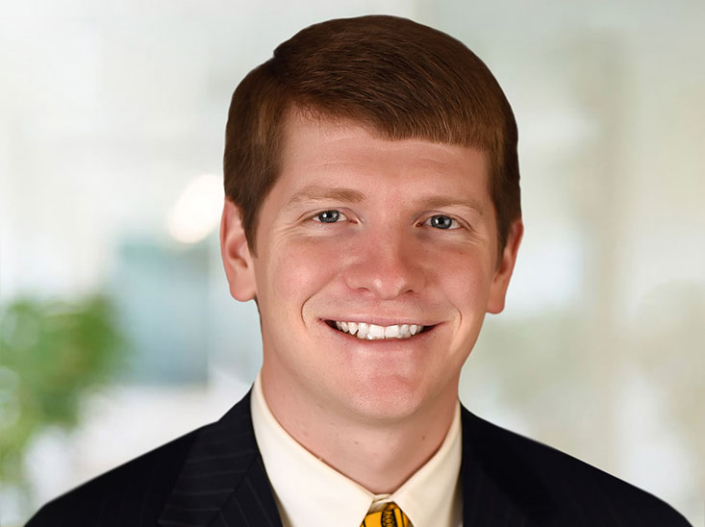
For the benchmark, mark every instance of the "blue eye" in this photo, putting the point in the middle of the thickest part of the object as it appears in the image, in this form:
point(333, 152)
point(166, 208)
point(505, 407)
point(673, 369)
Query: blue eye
point(442, 222)
point(328, 216)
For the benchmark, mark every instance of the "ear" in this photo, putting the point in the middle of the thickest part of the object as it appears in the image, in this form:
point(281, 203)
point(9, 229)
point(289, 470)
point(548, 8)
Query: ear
point(235, 252)
point(500, 281)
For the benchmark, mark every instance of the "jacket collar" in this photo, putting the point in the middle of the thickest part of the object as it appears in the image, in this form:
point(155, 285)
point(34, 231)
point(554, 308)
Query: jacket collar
point(499, 487)
point(223, 481)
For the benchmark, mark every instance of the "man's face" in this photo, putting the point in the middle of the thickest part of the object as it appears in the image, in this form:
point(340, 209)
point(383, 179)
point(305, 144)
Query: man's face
point(388, 234)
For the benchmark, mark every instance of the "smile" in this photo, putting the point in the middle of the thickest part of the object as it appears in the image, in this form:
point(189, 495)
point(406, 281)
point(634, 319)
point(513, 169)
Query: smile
point(365, 331)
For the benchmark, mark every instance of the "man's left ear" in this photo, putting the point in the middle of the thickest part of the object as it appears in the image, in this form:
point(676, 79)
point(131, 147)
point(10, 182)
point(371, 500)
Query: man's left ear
point(500, 282)
point(235, 252)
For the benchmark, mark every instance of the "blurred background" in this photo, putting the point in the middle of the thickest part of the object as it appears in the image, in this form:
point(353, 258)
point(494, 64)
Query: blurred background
point(117, 331)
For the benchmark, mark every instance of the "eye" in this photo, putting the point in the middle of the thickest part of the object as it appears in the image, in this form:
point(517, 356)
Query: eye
point(440, 221)
point(329, 216)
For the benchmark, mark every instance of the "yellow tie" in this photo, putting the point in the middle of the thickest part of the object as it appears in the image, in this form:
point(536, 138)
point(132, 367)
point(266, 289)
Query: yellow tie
point(390, 516)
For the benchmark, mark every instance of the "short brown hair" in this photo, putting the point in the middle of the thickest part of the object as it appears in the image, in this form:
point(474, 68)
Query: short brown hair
point(402, 79)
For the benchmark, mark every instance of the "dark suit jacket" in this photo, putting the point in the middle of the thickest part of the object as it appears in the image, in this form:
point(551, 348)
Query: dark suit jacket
point(214, 477)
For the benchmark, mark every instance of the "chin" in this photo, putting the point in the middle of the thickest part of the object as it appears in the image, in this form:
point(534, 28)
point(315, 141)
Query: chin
point(386, 400)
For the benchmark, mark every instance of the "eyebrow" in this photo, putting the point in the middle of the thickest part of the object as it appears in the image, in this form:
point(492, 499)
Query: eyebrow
point(449, 201)
point(319, 193)
point(348, 195)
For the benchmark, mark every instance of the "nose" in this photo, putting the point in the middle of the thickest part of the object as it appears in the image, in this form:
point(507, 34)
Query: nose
point(386, 266)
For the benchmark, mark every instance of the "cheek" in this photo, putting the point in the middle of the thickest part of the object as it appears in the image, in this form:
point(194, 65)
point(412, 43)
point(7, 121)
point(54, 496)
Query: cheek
point(464, 275)
point(300, 268)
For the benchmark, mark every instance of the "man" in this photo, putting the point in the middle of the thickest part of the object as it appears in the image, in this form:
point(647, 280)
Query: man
point(372, 212)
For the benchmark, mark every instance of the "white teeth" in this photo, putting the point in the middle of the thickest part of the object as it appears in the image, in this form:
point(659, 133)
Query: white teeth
point(365, 331)
point(391, 332)
point(376, 332)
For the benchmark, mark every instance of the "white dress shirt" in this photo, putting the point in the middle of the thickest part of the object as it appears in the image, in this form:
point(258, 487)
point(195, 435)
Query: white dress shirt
point(310, 493)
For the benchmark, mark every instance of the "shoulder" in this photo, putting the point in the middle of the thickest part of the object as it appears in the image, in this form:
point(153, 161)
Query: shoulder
point(136, 489)
point(573, 487)
point(135, 493)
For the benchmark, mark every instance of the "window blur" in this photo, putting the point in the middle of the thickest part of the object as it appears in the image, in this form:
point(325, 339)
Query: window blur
point(116, 326)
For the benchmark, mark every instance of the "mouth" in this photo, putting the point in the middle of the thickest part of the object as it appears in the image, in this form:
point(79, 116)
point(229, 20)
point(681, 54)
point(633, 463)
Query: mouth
point(367, 331)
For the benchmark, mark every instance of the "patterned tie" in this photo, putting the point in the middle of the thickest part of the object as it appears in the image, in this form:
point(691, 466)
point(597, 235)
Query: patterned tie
point(390, 516)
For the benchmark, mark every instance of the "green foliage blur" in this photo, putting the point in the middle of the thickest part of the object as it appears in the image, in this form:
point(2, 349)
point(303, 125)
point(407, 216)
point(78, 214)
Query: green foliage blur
point(51, 355)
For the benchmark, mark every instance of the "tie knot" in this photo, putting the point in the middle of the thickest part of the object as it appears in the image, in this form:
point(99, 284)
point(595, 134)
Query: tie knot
point(390, 516)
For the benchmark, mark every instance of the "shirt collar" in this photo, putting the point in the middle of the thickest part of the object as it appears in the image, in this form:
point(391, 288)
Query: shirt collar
point(309, 492)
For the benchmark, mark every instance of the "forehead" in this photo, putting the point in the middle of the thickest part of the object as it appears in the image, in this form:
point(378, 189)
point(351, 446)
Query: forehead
point(322, 151)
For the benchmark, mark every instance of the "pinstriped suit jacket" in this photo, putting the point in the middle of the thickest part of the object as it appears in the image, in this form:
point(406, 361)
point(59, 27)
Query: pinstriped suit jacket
point(214, 477)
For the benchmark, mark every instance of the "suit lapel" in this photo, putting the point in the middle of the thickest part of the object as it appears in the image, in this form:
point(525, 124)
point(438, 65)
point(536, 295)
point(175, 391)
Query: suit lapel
point(499, 488)
point(223, 481)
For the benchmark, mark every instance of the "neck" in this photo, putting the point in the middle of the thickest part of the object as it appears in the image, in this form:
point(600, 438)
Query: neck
point(380, 455)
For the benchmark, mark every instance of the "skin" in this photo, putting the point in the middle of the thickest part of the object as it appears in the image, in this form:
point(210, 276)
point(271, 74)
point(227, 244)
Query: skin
point(375, 411)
